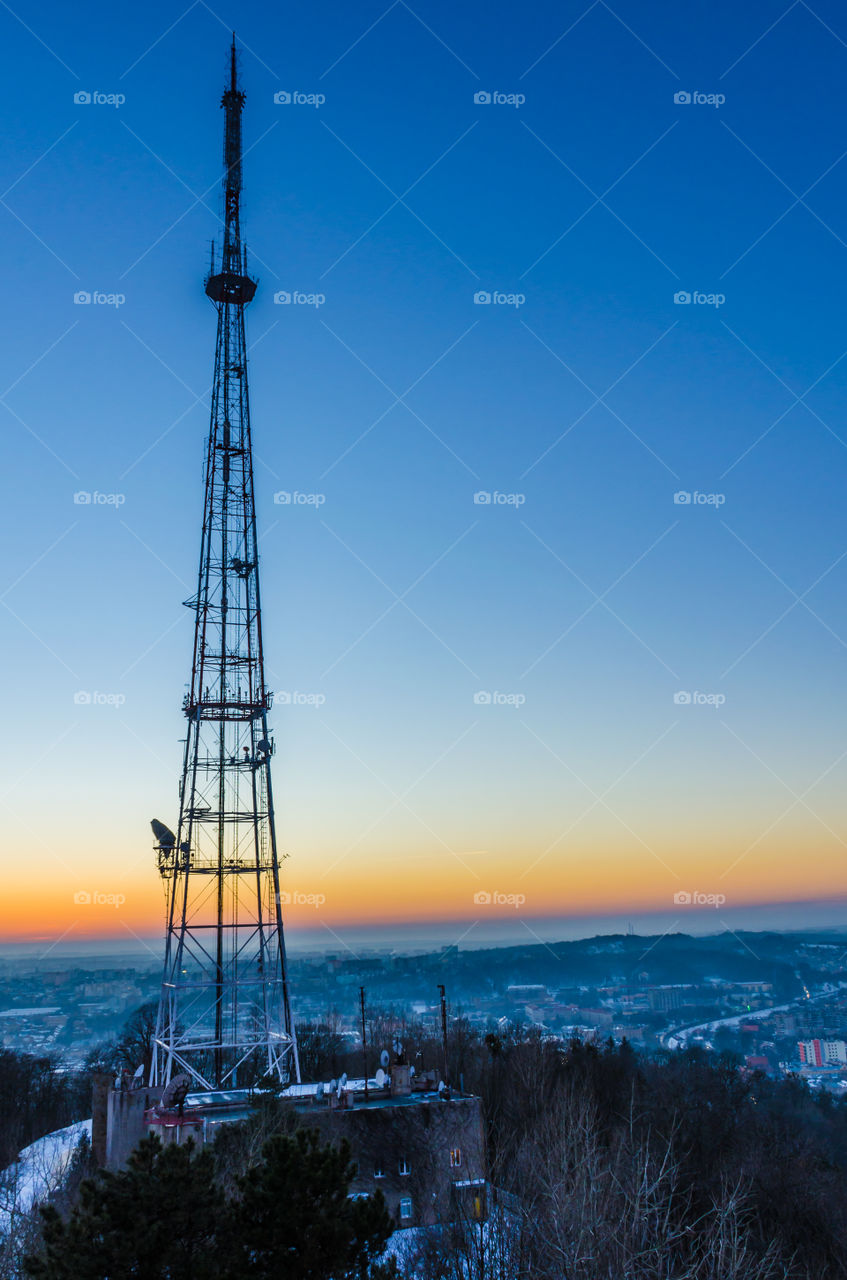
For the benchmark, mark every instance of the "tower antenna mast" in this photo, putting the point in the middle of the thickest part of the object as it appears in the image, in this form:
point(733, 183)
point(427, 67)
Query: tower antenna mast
point(224, 1015)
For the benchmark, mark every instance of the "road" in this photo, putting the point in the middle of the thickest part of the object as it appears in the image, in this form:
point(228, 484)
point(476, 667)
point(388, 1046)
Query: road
point(678, 1037)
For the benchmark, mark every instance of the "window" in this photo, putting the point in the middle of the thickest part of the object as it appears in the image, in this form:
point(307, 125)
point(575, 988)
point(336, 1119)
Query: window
point(455, 1157)
point(405, 1168)
point(379, 1172)
point(406, 1207)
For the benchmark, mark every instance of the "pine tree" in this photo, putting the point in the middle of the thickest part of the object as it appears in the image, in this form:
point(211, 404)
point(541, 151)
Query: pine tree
point(165, 1217)
point(293, 1217)
point(157, 1218)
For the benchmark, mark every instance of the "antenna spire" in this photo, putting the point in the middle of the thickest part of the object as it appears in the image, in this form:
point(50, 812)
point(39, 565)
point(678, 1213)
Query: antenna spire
point(232, 284)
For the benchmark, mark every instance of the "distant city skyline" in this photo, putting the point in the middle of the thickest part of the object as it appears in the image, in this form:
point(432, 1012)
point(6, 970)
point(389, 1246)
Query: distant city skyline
point(548, 374)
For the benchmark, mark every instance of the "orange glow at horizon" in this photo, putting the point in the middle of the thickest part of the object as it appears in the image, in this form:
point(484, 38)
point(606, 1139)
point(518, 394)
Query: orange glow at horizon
point(571, 879)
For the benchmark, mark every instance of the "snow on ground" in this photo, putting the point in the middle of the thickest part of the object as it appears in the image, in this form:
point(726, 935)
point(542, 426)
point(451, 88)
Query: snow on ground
point(474, 1249)
point(38, 1171)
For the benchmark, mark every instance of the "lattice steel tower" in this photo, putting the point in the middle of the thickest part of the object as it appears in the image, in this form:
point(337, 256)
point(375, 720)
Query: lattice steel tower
point(224, 1015)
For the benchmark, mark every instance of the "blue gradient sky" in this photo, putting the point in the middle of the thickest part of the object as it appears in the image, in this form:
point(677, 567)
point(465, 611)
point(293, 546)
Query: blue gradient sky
point(598, 199)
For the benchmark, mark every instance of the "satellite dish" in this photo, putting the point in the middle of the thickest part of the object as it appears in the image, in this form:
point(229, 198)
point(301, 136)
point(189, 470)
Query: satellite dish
point(343, 1081)
point(264, 746)
point(441, 1086)
point(384, 1058)
point(177, 1091)
point(333, 1085)
point(380, 1077)
point(411, 1070)
point(138, 1072)
point(165, 838)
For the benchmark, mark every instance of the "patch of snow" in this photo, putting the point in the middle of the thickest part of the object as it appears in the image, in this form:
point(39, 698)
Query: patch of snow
point(38, 1171)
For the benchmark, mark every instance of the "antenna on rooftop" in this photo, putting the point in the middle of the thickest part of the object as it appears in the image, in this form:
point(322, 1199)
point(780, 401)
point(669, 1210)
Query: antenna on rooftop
point(364, 1040)
point(443, 994)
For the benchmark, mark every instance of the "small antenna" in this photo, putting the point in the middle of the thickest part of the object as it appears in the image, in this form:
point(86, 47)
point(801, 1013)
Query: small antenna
point(443, 995)
point(364, 1040)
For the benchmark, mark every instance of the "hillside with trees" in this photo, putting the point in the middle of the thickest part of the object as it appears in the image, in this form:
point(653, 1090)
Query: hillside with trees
point(602, 1164)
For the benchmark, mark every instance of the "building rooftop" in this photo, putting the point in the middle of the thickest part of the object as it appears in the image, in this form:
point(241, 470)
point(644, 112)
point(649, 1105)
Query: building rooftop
point(321, 1094)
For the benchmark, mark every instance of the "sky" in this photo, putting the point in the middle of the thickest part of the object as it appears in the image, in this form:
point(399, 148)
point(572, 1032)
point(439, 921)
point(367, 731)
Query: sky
point(547, 364)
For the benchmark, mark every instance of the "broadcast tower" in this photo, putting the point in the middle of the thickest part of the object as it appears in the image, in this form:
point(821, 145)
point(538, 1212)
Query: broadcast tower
point(224, 1017)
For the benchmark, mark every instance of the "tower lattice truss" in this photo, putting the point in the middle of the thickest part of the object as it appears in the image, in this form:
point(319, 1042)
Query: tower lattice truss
point(224, 1016)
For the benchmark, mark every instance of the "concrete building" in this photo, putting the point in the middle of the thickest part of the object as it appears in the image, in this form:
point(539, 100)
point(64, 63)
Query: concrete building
point(664, 999)
point(422, 1147)
point(822, 1053)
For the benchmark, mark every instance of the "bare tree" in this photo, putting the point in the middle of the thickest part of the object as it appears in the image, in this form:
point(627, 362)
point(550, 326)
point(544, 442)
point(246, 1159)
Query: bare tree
point(596, 1206)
